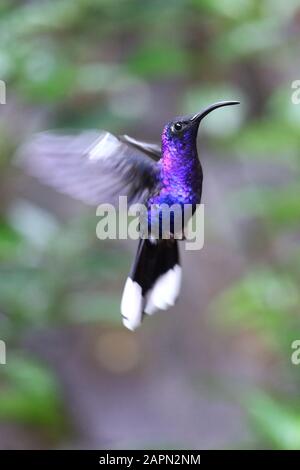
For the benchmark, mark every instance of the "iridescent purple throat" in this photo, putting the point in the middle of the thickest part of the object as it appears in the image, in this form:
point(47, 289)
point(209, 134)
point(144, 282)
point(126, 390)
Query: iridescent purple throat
point(181, 172)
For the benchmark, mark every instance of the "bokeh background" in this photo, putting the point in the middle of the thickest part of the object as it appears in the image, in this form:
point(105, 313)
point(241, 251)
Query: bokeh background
point(215, 371)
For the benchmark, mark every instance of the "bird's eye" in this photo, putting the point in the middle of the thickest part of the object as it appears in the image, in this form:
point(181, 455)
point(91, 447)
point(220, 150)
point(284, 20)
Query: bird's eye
point(177, 126)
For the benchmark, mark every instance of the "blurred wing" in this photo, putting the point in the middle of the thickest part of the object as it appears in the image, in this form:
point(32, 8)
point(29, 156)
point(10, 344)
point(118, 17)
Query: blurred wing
point(92, 166)
point(153, 150)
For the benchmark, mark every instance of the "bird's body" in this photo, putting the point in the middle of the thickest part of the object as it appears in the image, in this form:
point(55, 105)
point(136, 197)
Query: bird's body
point(180, 174)
point(97, 167)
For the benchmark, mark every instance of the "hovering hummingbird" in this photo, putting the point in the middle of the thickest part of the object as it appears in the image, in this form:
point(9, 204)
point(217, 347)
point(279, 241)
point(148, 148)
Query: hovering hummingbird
point(97, 167)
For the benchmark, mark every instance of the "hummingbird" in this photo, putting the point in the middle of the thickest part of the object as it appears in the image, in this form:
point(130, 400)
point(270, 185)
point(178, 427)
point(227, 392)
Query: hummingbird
point(97, 166)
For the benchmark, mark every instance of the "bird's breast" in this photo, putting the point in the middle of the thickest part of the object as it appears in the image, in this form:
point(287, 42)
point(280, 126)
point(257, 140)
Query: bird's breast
point(169, 212)
point(178, 193)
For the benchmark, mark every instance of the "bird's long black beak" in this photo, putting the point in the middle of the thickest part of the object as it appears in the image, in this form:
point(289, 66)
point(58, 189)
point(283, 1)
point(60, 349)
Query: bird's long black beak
point(199, 116)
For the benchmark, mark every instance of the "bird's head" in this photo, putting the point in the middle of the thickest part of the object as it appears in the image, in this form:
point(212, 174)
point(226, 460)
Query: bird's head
point(182, 132)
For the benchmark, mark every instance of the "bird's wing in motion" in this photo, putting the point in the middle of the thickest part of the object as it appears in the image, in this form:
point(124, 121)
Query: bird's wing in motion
point(153, 150)
point(92, 166)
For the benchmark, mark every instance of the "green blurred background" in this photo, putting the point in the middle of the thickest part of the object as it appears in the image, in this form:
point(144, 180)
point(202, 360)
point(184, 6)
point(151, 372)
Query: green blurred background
point(215, 371)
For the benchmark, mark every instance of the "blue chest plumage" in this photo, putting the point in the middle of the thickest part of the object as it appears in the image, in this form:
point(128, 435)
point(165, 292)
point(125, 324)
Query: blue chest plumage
point(180, 183)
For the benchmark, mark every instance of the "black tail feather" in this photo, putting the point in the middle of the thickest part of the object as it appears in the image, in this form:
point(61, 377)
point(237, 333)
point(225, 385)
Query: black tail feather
point(154, 279)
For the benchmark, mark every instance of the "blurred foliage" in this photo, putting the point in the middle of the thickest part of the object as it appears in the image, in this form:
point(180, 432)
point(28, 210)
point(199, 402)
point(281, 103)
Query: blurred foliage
point(95, 63)
point(61, 279)
point(68, 279)
point(276, 421)
point(27, 386)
